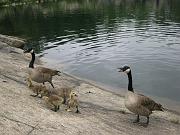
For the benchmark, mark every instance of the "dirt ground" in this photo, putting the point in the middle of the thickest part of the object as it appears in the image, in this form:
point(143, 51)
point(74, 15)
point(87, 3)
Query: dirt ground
point(102, 112)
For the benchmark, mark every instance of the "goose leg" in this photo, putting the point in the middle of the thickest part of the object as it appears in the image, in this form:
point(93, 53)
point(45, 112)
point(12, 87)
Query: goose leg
point(137, 120)
point(147, 120)
point(51, 84)
point(77, 111)
point(146, 124)
point(56, 108)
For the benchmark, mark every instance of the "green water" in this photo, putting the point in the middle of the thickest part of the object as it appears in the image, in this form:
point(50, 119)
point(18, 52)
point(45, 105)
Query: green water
point(94, 37)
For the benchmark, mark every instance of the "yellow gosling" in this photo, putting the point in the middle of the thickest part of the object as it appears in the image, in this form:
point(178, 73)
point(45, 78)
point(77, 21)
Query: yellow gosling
point(37, 89)
point(53, 100)
point(73, 102)
point(61, 92)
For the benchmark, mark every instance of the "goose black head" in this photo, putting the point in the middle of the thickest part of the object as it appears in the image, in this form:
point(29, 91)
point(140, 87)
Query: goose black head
point(30, 50)
point(125, 69)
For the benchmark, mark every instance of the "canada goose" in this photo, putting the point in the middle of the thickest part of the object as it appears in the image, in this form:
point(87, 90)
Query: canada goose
point(53, 100)
point(138, 103)
point(63, 92)
point(73, 102)
point(37, 89)
point(40, 74)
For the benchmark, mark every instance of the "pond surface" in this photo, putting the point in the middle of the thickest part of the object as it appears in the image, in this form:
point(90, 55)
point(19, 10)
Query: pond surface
point(94, 37)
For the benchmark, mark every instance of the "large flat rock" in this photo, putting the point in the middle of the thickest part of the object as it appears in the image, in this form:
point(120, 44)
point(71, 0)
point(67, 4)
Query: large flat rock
point(12, 41)
point(102, 112)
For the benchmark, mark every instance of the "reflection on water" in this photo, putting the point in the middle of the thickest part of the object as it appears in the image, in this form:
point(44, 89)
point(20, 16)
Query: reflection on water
point(94, 37)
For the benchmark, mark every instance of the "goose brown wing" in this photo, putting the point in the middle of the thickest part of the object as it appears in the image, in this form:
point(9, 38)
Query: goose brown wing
point(54, 98)
point(46, 70)
point(146, 102)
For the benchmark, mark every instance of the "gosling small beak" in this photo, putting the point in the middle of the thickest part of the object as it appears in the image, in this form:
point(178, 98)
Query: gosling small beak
point(76, 95)
point(120, 70)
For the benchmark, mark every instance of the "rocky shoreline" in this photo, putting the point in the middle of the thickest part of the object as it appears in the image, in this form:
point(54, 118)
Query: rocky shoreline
point(102, 112)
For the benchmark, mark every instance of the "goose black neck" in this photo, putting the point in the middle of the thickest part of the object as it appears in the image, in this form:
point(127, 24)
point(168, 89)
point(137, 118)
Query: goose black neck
point(130, 87)
point(31, 64)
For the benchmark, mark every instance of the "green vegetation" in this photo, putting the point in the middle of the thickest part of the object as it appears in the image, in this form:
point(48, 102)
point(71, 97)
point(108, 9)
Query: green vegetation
point(14, 2)
point(19, 2)
point(35, 20)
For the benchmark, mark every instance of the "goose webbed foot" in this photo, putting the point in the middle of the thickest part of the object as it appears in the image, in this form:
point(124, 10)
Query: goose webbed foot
point(55, 109)
point(137, 120)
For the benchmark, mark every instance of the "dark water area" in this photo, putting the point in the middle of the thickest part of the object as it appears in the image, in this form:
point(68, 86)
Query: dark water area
point(91, 38)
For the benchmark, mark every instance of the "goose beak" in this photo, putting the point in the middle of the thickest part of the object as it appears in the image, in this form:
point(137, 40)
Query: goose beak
point(120, 70)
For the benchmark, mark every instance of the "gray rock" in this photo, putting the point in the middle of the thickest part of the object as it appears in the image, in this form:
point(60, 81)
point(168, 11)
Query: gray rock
point(12, 41)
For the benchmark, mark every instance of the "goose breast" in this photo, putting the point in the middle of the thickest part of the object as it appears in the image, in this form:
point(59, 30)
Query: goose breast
point(133, 104)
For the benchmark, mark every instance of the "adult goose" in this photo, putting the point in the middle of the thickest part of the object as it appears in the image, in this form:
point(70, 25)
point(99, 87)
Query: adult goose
point(138, 103)
point(40, 74)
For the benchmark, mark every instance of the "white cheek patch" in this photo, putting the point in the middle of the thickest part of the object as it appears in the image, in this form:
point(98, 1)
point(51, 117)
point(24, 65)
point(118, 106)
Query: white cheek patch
point(31, 51)
point(127, 71)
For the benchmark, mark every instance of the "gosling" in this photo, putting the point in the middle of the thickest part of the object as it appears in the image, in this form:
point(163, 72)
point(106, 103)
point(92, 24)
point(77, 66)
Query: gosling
point(37, 89)
point(61, 92)
point(53, 100)
point(73, 102)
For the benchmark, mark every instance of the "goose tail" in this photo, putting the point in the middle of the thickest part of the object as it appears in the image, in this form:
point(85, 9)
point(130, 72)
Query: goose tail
point(56, 72)
point(158, 107)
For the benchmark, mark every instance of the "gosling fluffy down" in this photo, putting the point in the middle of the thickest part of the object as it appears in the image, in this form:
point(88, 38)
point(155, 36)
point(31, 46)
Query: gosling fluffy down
point(53, 100)
point(40, 74)
point(63, 92)
point(73, 102)
point(37, 89)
